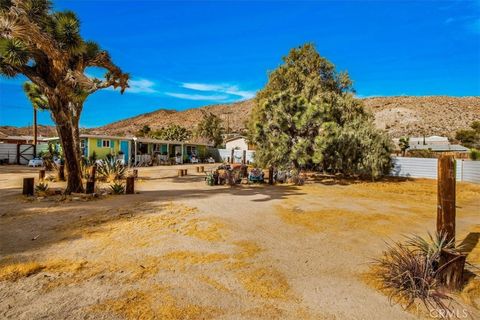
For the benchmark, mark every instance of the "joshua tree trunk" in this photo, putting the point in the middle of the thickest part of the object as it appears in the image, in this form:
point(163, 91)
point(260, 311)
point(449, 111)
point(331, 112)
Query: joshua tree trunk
point(67, 133)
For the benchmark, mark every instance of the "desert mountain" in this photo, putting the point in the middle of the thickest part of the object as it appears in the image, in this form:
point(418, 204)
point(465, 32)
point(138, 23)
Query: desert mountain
point(400, 116)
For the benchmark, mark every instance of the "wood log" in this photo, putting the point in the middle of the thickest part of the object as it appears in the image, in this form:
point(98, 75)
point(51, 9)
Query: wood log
point(41, 174)
point(446, 197)
point(198, 169)
point(270, 175)
point(93, 173)
point(28, 184)
point(450, 273)
point(135, 173)
point(180, 172)
point(184, 172)
point(90, 188)
point(130, 188)
point(202, 169)
point(61, 172)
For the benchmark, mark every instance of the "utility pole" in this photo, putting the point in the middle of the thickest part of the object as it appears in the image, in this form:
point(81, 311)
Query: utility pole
point(35, 131)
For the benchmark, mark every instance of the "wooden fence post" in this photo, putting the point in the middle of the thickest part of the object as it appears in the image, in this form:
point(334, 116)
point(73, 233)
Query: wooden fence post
point(446, 197)
point(130, 189)
point(41, 174)
point(270, 175)
point(93, 172)
point(61, 172)
point(28, 184)
point(233, 154)
point(244, 158)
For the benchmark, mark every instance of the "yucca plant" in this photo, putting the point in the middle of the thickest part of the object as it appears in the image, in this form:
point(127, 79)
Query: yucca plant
point(117, 187)
point(111, 170)
point(409, 275)
point(433, 245)
point(41, 187)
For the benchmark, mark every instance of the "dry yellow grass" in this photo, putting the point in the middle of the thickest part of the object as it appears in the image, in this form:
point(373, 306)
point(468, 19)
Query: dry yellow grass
point(15, 271)
point(154, 304)
point(265, 282)
point(213, 283)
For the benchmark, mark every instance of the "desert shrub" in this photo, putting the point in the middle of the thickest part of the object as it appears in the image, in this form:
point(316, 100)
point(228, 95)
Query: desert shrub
point(474, 154)
point(111, 170)
point(409, 271)
point(41, 187)
point(117, 187)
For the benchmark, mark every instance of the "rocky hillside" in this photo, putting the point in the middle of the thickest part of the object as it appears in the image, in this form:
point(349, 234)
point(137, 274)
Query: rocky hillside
point(400, 116)
point(45, 131)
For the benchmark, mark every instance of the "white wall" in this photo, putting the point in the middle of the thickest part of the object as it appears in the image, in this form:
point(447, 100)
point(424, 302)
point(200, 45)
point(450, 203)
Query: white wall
point(239, 144)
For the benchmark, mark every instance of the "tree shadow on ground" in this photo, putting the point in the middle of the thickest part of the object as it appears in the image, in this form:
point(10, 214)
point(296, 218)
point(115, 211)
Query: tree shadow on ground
point(30, 225)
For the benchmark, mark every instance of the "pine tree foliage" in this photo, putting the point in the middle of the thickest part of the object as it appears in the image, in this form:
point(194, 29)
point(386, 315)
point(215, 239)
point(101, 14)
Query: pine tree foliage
point(307, 115)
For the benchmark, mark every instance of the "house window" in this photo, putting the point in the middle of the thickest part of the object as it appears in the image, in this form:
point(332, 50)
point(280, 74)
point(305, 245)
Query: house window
point(106, 143)
point(191, 150)
point(82, 144)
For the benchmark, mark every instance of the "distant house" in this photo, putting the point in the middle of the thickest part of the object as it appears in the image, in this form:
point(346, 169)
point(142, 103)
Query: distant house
point(238, 143)
point(432, 140)
point(138, 150)
point(439, 148)
point(21, 139)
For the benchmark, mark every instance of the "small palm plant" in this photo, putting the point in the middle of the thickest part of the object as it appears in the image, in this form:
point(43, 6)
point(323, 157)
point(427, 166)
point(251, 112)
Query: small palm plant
point(117, 187)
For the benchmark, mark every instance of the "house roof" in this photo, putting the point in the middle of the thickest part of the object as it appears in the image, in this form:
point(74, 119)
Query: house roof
point(138, 139)
point(27, 138)
point(439, 147)
point(235, 138)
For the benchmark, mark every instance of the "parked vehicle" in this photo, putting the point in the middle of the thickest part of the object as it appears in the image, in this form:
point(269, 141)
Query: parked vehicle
point(35, 162)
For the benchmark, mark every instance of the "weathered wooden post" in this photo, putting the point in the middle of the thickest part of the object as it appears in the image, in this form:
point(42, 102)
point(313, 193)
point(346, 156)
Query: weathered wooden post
point(28, 184)
point(452, 264)
point(446, 197)
point(135, 173)
point(202, 169)
point(232, 155)
point(198, 169)
point(244, 158)
point(130, 188)
point(180, 172)
point(41, 174)
point(270, 175)
point(93, 173)
point(90, 186)
point(61, 172)
point(184, 172)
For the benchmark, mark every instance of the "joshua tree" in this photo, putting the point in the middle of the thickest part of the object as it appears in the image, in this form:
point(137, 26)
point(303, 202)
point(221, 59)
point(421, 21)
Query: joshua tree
point(46, 47)
point(39, 102)
point(404, 143)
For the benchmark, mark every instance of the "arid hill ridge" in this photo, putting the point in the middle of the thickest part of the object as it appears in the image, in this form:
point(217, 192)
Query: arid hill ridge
point(400, 116)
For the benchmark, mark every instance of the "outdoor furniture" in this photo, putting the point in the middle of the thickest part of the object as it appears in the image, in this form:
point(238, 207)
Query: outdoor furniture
point(256, 175)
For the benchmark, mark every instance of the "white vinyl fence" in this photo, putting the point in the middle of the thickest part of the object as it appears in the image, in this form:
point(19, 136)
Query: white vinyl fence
point(466, 170)
point(225, 154)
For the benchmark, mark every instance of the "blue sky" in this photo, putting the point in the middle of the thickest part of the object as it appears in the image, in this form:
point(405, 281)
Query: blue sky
point(188, 54)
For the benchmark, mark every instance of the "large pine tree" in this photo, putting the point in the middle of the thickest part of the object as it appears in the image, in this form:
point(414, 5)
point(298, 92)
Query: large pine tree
point(307, 115)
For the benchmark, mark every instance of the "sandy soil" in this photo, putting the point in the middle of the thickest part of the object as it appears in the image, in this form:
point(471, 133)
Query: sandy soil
point(180, 249)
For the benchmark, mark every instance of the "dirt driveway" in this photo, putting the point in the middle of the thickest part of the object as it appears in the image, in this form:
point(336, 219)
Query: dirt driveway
point(180, 249)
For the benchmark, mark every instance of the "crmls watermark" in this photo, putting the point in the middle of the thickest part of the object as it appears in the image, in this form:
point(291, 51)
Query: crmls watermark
point(448, 314)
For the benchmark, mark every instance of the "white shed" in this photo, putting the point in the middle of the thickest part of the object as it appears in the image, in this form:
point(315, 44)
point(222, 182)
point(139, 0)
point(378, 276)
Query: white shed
point(236, 143)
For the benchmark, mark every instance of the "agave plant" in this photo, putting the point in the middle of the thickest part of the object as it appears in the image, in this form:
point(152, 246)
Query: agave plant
point(117, 187)
point(111, 170)
point(41, 187)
